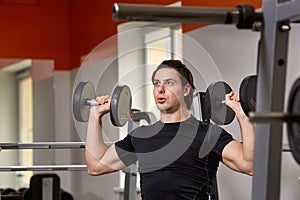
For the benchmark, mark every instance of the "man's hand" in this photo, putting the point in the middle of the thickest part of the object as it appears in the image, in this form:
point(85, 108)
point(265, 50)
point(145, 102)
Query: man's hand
point(233, 101)
point(103, 108)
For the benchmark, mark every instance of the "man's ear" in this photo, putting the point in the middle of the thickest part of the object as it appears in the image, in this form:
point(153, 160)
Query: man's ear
point(186, 89)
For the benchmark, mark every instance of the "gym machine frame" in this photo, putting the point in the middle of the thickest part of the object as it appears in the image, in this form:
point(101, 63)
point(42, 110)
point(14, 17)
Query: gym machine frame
point(271, 82)
point(272, 63)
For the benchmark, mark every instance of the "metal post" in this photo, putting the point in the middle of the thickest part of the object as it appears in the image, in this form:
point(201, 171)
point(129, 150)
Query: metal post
point(270, 98)
point(130, 192)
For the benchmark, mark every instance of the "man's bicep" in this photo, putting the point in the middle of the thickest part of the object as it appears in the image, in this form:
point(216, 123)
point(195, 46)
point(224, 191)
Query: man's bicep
point(232, 155)
point(108, 163)
point(112, 160)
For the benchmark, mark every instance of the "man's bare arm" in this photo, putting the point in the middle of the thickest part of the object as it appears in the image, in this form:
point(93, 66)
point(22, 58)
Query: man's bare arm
point(100, 159)
point(239, 155)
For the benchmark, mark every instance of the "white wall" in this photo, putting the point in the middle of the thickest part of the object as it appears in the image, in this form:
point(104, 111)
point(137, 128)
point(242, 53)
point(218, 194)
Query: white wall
point(234, 53)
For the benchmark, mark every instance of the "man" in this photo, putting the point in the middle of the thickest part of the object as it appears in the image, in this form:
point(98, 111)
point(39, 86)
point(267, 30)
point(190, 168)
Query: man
point(178, 156)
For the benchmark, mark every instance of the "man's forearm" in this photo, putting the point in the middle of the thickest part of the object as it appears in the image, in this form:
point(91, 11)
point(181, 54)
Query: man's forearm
point(94, 141)
point(248, 136)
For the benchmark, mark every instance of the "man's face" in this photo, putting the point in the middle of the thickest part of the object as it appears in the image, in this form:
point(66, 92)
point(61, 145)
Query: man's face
point(168, 90)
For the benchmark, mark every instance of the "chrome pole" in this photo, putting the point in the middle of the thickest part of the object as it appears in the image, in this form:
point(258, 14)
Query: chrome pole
point(45, 145)
point(143, 12)
point(44, 168)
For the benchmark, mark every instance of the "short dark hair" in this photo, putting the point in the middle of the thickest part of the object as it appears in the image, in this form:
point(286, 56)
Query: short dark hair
point(186, 77)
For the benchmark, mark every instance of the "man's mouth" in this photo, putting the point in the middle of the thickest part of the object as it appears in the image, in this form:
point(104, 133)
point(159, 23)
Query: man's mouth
point(161, 100)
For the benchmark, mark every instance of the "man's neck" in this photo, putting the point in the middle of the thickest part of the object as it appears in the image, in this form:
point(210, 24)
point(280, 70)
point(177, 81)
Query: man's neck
point(178, 116)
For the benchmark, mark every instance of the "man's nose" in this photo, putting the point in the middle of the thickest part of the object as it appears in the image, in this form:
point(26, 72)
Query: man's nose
point(161, 88)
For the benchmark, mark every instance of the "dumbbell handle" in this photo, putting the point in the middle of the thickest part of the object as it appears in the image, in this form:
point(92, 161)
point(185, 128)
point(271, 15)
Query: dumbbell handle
point(90, 102)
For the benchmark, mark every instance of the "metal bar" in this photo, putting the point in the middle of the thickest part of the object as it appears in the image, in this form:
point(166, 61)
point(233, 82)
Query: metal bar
point(45, 145)
point(44, 168)
point(142, 12)
point(288, 10)
point(274, 117)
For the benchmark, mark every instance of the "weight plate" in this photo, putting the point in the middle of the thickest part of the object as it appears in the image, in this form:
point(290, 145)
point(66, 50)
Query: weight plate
point(84, 90)
point(120, 105)
point(219, 113)
point(293, 129)
point(248, 93)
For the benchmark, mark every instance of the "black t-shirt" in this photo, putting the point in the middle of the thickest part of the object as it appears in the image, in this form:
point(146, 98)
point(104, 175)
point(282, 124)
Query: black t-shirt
point(176, 160)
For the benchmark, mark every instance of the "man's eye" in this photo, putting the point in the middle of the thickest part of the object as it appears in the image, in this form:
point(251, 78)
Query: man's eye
point(155, 83)
point(170, 83)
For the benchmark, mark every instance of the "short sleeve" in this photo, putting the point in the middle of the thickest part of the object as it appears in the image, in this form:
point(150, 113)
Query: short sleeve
point(223, 140)
point(125, 150)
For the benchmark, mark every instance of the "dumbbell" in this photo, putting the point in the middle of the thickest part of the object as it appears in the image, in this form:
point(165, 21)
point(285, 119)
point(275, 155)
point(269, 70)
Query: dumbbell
point(248, 94)
point(221, 114)
point(120, 104)
point(215, 102)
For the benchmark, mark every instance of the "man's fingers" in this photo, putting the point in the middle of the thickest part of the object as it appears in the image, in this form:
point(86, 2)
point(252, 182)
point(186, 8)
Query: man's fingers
point(233, 96)
point(229, 96)
point(236, 96)
point(103, 99)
